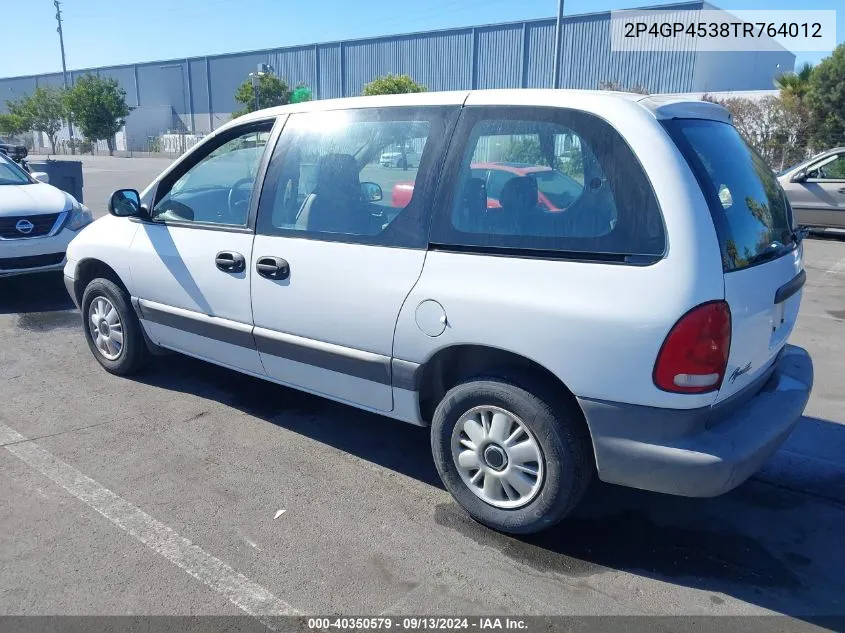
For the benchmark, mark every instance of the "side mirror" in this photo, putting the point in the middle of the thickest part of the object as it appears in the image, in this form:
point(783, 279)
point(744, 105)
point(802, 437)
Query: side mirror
point(125, 203)
point(371, 192)
point(41, 176)
point(801, 176)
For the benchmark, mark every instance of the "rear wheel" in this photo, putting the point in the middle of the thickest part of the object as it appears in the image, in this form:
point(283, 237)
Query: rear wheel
point(514, 463)
point(112, 329)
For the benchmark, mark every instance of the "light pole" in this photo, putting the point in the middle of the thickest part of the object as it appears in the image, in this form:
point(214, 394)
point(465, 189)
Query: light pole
point(64, 71)
point(263, 69)
point(558, 38)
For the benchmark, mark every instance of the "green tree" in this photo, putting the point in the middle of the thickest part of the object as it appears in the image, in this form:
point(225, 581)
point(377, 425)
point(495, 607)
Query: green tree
point(272, 91)
point(795, 84)
point(13, 124)
point(525, 149)
point(391, 85)
point(826, 100)
point(43, 111)
point(300, 94)
point(98, 105)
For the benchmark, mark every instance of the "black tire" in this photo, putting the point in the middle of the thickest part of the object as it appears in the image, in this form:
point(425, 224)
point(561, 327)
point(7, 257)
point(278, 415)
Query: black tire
point(133, 354)
point(560, 432)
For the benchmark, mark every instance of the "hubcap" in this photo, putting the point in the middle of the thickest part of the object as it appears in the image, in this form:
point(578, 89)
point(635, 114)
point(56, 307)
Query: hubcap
point(106, 328)
point(497, 457)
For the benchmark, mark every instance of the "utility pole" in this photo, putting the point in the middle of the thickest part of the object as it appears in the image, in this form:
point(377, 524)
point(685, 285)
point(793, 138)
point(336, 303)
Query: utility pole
point(558, 43)
point(57, 4)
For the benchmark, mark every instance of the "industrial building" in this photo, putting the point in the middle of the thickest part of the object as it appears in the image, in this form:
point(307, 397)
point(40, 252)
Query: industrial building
point(196, 94)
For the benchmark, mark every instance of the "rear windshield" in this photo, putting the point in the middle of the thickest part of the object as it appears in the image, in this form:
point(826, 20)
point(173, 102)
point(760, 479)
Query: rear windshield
point(749, 209)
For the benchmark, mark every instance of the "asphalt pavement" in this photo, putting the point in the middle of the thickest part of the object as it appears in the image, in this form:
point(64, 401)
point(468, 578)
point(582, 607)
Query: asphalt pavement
point(195, 490)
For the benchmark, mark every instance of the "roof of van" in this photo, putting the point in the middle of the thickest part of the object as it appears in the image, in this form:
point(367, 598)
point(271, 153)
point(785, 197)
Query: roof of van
point(661, 106)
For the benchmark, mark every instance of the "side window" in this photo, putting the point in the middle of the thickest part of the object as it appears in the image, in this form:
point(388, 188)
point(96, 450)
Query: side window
point(353, 175)
point(556, 180)
point(830, 170)
point(217, 188)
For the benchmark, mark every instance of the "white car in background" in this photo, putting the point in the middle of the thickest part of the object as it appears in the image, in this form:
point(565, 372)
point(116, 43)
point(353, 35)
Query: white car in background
point(398, 159)
point(37, 221)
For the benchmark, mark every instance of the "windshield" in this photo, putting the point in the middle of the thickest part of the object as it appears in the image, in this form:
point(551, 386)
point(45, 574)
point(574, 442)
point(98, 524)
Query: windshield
point(803, 163)
point(11, 174)
point(748, 206)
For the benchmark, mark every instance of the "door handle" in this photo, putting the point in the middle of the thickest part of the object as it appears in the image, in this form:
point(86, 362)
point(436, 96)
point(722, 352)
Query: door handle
point(841, 190)
point(272, 267)
point(230, 262)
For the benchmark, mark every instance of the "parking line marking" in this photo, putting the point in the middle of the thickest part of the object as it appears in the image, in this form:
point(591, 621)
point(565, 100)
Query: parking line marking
point(837, 268)
point(245, 594)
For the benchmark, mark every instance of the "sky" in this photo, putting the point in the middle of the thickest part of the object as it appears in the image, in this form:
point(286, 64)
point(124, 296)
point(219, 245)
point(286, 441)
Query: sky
point(111, 32)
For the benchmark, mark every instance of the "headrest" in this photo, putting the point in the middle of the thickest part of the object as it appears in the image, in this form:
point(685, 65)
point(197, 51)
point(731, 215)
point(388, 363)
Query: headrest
point(337, 171)
point(519, 193)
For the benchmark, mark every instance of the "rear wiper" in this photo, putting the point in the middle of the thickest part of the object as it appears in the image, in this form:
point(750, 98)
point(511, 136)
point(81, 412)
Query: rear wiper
point(772, 251)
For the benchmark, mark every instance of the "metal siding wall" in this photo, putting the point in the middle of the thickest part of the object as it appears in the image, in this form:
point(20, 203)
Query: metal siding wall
point(295, 66)
point(587, 61)
point(54, 80)
point(227, 73)
point(73, 75)
point(499, 56)
point(669, 70)
point(541, 53)
point(164, 83)
point(439, 61)
point(329, 84)
point(14, 89)
point(199, 94)
point(755, 69)
point(125, 76)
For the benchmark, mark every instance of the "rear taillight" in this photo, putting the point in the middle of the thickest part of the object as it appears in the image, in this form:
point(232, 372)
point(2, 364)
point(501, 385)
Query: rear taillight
point(695, 353)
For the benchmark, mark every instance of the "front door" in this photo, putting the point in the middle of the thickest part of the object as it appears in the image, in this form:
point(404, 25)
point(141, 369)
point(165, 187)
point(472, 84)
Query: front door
point(819, 199)
point(335, 253)
point(191, 262)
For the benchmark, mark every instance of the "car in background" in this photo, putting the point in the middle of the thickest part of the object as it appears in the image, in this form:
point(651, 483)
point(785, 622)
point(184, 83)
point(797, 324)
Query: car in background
point(13, 149)
point(37, 221)
point(555, 190)
point(399, 159)
point(816, 190)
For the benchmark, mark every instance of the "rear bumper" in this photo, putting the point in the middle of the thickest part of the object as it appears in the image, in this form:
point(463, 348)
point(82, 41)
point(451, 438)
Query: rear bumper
point(700, 452)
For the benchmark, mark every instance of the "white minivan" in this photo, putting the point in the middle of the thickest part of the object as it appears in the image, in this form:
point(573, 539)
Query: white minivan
point(634, 328)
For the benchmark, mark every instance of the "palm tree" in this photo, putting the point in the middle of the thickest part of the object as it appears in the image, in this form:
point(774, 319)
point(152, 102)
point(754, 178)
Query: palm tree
point(795, 84)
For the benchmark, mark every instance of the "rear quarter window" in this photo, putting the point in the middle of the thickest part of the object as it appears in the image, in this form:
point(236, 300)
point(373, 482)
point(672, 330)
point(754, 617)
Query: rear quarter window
point(565, 184)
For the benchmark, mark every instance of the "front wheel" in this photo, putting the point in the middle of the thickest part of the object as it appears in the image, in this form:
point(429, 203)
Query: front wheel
point(514, 463)
point(112, 329)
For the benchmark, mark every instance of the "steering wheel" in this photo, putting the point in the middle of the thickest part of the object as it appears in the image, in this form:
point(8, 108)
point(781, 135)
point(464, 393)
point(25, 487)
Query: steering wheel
point(239, 198)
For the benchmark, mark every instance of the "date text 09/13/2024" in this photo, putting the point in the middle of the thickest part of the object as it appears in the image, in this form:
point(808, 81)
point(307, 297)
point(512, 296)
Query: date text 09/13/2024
point(419, 623)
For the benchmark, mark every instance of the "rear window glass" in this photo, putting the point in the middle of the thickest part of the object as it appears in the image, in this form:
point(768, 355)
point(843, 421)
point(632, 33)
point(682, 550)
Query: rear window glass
point(748, 206)
point(547, 179)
